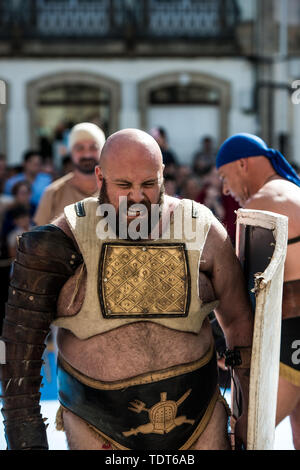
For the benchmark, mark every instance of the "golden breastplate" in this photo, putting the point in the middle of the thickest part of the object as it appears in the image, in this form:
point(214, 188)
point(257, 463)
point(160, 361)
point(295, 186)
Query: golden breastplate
point(144, 281)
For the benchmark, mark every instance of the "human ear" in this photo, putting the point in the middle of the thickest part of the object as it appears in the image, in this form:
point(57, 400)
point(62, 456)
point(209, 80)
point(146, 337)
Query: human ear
point(243, 163)
point(99, 176)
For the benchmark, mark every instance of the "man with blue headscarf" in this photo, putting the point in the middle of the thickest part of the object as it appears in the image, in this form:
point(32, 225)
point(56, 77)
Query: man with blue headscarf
point(261, 178)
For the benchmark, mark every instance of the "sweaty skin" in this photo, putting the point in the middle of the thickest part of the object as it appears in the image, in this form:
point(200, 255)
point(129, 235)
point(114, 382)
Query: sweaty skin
point(255, 185)
point(143, 347)
point(283, 197)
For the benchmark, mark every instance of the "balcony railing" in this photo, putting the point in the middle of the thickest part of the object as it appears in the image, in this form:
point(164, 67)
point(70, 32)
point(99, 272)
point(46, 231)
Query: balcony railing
point(116, 19)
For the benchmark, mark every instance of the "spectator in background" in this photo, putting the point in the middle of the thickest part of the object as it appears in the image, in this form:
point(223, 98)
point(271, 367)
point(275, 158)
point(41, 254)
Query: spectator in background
point(20, 198)
point(5, 200)
point(85, 143)
point(182, 173)
point(21, 192)
point(60, 142)
point(223, 207)
point(13, 170)
point(49, 168)
point(66, 165)
point(169, 157)
point(211, 194)
point(21, 220)
point(204, 158)
point(3, 171)
point(170, 185)
point(32, 164)
point(191, 188)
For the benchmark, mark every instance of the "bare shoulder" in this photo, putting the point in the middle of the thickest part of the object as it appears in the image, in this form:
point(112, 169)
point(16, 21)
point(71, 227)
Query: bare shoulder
point(279, 196)
point(262, 200)
point(275, 196)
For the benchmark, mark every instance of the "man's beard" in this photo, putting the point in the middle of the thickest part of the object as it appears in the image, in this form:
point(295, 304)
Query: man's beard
point(104, 199)
point(86, 165)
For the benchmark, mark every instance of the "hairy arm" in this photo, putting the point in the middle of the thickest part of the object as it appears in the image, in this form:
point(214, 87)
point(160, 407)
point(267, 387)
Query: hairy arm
point(234, 311)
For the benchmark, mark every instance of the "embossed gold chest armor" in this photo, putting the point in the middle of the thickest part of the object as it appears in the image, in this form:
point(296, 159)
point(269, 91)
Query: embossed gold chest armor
point(138, 281)
point(152, 280)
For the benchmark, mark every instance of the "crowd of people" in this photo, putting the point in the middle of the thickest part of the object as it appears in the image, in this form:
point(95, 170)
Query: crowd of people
point(198, 181)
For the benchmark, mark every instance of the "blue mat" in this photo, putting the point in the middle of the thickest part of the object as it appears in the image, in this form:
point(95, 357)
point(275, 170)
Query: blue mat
point(49, 383)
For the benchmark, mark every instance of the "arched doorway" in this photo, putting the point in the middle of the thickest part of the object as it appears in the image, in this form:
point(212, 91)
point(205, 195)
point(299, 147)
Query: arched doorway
point(189, 106)
point(59, 101)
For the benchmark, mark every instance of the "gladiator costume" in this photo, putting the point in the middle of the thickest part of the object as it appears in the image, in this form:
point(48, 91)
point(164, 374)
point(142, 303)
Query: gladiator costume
point(245, 145)
point(45, 260)
point(290, 327)
point(127, 282)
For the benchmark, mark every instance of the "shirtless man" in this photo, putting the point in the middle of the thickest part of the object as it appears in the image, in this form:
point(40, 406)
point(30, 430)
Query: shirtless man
point(260, 178)
point(134, 378)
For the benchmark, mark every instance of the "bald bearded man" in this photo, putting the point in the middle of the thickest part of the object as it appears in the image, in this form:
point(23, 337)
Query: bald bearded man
point(261, 178)
point(136, 363)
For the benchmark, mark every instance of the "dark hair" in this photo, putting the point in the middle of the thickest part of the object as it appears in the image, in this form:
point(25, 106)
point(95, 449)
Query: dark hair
point(29, 154)
point(207, 138)
point(66, 159)
point(169, 177)
point(17, 186)
point(162, 132)
point(19, 211)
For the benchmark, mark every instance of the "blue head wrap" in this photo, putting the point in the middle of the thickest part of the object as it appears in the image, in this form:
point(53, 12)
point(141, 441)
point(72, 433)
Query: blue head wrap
point(247, 145)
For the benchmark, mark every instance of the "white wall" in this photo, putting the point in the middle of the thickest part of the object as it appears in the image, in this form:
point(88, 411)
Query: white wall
point(185, 126)
point(294, 74)
point(296, 133)
point(129, 73)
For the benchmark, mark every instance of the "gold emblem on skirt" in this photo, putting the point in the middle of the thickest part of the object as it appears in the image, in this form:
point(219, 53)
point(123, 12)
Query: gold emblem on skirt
point(163, 416)
point(144, 280)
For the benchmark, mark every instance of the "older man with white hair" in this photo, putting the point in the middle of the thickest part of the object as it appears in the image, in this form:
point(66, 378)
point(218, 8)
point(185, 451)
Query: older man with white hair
point(85, 143)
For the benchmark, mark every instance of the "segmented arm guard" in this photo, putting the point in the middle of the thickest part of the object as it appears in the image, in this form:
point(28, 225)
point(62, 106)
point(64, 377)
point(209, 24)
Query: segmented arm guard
point(46, 258)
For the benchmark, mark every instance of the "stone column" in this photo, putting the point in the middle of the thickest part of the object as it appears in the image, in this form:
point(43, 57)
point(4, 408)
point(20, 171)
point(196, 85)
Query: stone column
point(129, 115)
point(265, 45)
point(17, 124)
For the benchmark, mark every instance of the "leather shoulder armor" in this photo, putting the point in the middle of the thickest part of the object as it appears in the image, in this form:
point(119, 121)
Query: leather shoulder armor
point(46, 257)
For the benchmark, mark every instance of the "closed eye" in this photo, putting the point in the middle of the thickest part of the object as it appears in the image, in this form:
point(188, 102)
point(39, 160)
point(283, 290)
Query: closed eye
point(124, 185)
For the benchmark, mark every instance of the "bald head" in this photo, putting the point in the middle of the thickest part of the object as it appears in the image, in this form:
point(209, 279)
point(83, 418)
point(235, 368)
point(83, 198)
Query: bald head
point(131, 146)
point(130, 165)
